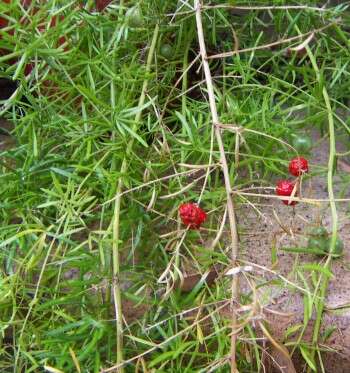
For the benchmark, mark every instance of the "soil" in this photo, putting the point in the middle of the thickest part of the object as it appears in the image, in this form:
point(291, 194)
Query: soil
point(6, 140)
point(256, 247)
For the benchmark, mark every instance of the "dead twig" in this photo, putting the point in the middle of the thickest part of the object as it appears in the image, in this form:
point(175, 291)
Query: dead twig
point(273, 44)
point(230, 205)
point(271, 7)
point(249, 8)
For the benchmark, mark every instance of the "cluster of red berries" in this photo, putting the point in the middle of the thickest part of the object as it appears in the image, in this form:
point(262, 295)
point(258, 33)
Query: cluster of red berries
point(297, 167)
point(192, 215)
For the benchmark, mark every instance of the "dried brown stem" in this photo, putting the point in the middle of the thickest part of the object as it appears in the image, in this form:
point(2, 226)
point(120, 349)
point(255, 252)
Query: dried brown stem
point(271, 7)
point(273, 44)
point(230, 205)
point(249, 8)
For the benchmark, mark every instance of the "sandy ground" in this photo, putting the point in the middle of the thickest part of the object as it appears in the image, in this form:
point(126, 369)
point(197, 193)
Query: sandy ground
point(262, 232)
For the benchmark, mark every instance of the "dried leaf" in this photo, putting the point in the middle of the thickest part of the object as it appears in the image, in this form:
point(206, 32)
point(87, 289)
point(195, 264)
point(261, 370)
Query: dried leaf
point(280, 353)
point(75, 360)
point(190, 281)
point(234, 271)
point(303, 45)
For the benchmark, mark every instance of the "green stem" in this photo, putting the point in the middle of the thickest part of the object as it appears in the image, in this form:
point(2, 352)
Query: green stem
point(331, 160)
point(184, 86)
point(319, 303)
point(116, 215)
point(332, 151)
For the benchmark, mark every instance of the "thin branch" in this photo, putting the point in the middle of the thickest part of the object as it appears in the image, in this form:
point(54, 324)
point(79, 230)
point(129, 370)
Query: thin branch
point(230, 205)
point(324, 280)
point(188, 173)
point(249, 8)
point(273, 44)
point(289, 198)
point(271, 7)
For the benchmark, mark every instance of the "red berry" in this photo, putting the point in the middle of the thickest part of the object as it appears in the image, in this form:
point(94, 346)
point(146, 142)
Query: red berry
point(102, 4)
point(28, 68)
point(3, 21)
point(285, 188)
point(298, 166)
point(192, 215)
point(26, 3)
